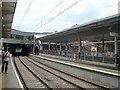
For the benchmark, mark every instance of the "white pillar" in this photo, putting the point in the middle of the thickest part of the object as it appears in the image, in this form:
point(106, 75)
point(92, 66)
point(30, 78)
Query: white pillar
point(79, 44)
point(60, 46)
point(1, 43)
point(116, 50)
point(41, 45)
point(103, 44)
point(49, 46)
point(56, 47)
point(66, 47)
point(0, 19)
point(116, 46)
point(33, 45)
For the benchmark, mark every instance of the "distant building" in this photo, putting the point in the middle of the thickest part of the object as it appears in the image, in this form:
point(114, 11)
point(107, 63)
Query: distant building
point(20, 35)
point(38, 35)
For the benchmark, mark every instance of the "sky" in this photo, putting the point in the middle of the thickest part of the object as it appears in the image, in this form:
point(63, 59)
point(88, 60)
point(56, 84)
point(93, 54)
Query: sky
point(58, 15)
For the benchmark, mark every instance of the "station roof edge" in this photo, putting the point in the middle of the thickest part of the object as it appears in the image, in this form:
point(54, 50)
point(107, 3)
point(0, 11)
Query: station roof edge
point(116, 17)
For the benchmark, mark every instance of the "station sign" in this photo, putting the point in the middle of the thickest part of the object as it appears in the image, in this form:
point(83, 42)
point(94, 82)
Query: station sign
point(94, 51)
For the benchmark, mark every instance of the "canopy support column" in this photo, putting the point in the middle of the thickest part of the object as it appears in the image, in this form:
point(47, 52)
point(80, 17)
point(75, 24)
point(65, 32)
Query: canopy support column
point(116, 50)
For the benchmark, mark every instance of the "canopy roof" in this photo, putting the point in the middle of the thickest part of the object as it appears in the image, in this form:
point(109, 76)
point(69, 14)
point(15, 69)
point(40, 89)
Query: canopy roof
point(94, 30)
point(8, 9)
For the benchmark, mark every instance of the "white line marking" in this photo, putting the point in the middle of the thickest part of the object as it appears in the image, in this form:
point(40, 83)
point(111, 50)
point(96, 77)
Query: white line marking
point(112, 73)
point(16, 75)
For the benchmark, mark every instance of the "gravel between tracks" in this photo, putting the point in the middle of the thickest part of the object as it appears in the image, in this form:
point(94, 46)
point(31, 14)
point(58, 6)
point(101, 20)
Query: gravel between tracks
point(67, 77)
point(30, 80)
point(48, 78)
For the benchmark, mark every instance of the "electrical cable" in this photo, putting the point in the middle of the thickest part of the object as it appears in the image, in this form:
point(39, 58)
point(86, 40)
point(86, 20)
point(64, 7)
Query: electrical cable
point(49, 13)
point(59, 14)
point(25, 13)
point(52, 10)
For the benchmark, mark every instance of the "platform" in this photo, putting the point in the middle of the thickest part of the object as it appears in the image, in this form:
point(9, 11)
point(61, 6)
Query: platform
point(10, 80)
point(99, 75)
point(0, 76)
point(90, 66)
point(0, 79)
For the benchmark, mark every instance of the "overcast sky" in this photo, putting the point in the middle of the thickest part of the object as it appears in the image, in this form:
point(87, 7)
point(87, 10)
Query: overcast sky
point(37, 18)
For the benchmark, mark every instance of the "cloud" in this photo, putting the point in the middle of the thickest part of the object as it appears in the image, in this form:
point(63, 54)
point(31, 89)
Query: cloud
point(84, 11)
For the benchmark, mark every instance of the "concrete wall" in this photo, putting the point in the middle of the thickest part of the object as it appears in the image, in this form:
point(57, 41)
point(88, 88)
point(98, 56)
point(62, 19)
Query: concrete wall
point(0, 19)
point(0, 27)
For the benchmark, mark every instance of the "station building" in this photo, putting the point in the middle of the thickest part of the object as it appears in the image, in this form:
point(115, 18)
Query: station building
point(7, 10)
point(19, 42)
point(96, 42)
point(16, 41)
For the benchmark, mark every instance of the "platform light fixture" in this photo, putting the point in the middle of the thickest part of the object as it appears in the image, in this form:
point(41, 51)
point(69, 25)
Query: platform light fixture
point(2, 17)
point(3, 25)
point(1, 3)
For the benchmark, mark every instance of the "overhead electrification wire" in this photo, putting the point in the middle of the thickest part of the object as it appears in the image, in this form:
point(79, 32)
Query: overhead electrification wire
point(49, 13)
point(59, 14)
point(25, 13)
point(52, 10)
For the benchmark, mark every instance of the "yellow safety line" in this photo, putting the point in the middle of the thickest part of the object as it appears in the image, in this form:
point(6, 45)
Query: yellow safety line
point(96, 67)
point(88, 65)
point(101, 68)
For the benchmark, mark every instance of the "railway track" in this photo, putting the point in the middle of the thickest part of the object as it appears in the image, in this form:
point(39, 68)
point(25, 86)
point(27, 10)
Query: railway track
point(28, 71)
point(28, 79)
point(54, 78)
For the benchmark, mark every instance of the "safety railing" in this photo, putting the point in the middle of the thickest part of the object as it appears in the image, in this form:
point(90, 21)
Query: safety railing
point(82, 56)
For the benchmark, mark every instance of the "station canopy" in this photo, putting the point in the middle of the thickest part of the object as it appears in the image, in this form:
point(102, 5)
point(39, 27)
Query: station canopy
point(94, 31)
point(8, 9)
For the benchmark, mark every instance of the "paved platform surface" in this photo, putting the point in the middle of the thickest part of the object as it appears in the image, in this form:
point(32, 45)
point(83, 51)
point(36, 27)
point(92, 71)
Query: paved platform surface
point(10, 80)
point(99, 75)
point(79, 64)
point(0, 78)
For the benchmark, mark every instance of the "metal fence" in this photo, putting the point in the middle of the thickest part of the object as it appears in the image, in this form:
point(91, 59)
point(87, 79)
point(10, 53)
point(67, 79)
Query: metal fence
point(81, 56)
